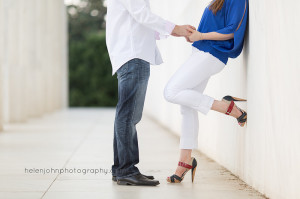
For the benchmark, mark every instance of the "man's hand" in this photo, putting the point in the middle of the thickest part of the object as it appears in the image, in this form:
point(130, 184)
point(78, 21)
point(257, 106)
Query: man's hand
point(183, 31)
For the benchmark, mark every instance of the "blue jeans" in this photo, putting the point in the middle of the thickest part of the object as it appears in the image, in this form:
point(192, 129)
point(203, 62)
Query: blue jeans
point(132, 85)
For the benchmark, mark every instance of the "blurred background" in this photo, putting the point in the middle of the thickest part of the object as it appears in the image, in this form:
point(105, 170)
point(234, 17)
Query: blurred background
point(90, 79)
point(53, 57)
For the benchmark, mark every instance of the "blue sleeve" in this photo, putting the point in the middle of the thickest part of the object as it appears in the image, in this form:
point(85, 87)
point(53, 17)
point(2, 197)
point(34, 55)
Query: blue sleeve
point(234, 15)
point(236, 22)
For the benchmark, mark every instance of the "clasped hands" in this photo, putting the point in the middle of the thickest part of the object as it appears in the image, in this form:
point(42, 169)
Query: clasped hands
point(189, 32)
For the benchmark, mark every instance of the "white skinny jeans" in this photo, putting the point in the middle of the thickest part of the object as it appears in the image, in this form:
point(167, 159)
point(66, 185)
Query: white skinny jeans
point(186, 88)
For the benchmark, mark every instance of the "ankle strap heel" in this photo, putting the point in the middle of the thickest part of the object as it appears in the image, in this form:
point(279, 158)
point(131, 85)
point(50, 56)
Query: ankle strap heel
point(177, 179)
point(242, 120)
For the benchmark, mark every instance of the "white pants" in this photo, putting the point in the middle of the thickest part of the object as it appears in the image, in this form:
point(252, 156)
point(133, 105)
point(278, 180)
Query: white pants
point(186, 88)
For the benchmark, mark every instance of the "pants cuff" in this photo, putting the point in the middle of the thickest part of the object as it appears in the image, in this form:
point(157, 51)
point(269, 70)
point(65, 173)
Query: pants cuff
point(207, 108)
point(128, 175)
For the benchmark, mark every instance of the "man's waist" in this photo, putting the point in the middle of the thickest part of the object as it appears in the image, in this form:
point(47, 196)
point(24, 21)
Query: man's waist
point(130, 45)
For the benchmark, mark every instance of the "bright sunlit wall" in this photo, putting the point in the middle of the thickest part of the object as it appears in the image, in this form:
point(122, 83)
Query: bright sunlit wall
point(266, 152)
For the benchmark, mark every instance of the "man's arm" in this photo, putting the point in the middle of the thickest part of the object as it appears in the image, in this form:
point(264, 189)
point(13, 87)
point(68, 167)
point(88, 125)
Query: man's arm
point(139, 10)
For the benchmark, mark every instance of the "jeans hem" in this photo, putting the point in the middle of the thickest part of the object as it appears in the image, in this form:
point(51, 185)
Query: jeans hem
point(129, 175)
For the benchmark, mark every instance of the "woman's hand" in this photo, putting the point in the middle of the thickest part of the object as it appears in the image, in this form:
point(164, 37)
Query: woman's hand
point(195, 36)
point(183, 31)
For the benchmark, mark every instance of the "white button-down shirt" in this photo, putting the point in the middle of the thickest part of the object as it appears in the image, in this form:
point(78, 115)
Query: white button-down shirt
point(132, 30)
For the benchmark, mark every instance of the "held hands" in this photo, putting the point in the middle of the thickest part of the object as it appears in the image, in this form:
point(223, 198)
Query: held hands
point(189, 32)
point(183, 31)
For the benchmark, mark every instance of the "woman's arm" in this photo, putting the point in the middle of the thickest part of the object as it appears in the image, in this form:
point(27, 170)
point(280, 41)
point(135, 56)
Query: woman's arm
point(196, 36)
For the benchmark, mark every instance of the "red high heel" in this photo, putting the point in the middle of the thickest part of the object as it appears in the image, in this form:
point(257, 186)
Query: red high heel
point(193, 165)
point(242, 120)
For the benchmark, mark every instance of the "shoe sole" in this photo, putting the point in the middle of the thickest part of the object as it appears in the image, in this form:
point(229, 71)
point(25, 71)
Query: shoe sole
point(234, 99)
point(115, 180)
point(133, 184)
point(239, 99)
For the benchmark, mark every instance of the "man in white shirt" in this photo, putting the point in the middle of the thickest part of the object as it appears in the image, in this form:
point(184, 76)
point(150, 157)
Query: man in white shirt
point(131, 34)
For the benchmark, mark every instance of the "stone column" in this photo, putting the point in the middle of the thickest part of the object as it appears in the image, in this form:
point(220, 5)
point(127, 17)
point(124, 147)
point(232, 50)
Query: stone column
point(1, 60)
point(33, 58)
point(41, 15)
point(15, 87)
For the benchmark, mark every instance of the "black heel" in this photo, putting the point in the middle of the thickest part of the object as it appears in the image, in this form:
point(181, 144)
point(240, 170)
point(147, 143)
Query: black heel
point(194, 169)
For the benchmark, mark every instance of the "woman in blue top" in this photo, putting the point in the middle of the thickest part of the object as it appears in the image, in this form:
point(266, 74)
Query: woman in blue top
point(220, 35)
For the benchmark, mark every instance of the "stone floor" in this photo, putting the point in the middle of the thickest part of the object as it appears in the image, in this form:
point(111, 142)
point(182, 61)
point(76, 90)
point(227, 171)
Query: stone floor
point(79, 141)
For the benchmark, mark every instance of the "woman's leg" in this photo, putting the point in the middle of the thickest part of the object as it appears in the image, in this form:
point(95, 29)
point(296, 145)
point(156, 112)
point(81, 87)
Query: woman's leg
point(189, 131)
point(186, 88)
point(181, 87)
point(190, 123)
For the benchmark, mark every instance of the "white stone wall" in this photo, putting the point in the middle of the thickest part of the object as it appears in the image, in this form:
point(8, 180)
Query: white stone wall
point(265, 153)
point(33, 58)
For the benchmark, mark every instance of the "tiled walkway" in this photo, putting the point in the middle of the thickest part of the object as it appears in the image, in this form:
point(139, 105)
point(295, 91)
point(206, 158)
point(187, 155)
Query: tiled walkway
point(80, 140)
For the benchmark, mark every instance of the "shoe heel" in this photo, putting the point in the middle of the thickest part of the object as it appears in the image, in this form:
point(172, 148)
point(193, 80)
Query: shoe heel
point(239, 99)
point(193, 173)
point(177, 179)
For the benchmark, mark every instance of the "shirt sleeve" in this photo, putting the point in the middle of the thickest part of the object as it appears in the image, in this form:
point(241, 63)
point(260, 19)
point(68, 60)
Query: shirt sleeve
point(234, 16)
point(141, 12)
point(236, 22)
point(169, 26)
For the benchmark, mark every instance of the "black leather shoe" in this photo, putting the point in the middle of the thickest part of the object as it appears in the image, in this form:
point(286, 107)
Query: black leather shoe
point(114, 178)
point(137, 180)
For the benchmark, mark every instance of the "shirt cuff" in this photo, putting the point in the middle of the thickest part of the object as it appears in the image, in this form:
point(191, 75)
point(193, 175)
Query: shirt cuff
point(157, 35)
point(169, 27)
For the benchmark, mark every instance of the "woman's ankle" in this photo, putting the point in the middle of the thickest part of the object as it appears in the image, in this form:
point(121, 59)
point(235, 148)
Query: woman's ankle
point(185, 155)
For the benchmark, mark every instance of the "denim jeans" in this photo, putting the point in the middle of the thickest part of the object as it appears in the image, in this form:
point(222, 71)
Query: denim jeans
point(132, 85)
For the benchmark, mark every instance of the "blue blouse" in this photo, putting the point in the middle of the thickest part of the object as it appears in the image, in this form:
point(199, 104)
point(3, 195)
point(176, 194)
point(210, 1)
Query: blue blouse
point(232, 18)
